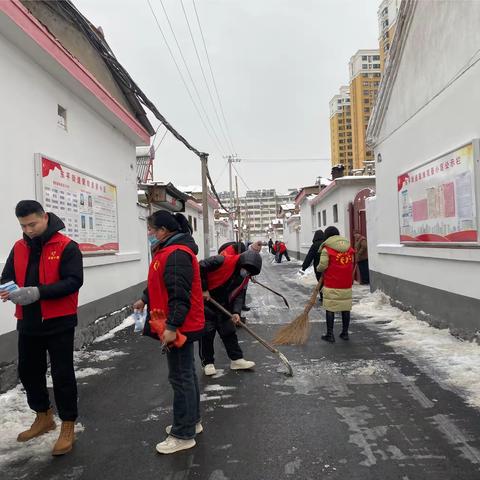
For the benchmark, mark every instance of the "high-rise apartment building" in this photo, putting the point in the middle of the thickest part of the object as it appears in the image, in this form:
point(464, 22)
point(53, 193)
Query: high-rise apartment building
point(258, 208)
point(341, 130)
point(365, 74)
point(387, 18)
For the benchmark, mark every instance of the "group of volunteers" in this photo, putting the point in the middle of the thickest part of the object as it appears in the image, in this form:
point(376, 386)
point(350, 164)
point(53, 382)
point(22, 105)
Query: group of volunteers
point(44, 272)
point(43, 275)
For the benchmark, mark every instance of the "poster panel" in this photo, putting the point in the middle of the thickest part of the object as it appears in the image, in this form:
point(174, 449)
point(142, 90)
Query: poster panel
point(438, 200)
point(86, 204)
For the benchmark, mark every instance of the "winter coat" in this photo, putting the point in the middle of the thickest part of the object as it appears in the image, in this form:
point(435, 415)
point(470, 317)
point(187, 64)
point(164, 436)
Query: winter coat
point(337, 299)
point(313, 254)
point(232, 248)
point(177, 280)
point(232, 282)
point(71, 279)
point(361, 248)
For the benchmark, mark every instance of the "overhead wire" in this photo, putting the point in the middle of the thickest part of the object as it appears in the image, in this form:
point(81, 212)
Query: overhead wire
point(180, 71)
point(218, 143)
point(161, 140)
point(72, 14)
point(222, 129)
point(227, 129)
point(241, 178)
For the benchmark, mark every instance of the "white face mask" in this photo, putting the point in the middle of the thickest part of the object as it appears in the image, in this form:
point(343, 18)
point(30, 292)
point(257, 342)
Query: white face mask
point(244, 273)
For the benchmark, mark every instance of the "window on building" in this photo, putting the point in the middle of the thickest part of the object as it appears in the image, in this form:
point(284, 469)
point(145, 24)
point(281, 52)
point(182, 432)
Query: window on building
point(194, 224)
point(376, 58)
point(366, 100)
point(376, 65)
point(335, 213)
point(364, 66)
point(62, 117)
point(319, 220)
point(364, 58)
point(366, 110)
point(190, 221)
point(324, 215)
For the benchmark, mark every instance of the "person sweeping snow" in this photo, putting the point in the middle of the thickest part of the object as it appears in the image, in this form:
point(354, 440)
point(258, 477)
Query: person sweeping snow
point(337, 262)
point(224, 279)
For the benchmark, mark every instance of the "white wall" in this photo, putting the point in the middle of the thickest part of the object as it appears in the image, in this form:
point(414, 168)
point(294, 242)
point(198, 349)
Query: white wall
point(291, 233)
point(434, 53)
point(29, 97)
point(308, 228)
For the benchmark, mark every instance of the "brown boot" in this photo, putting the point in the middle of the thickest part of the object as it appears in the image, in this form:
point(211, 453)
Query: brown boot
point(43, 423)
point(65, 440)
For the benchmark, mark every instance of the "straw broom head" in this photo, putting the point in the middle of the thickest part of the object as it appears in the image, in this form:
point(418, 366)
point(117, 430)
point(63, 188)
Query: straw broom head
point(296, 332)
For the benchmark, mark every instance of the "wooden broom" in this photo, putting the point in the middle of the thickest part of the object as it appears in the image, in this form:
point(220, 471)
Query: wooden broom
point(296, 332)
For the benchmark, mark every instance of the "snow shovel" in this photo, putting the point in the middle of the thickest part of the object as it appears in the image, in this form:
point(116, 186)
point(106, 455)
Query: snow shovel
point(274, 350)
point(254, 280)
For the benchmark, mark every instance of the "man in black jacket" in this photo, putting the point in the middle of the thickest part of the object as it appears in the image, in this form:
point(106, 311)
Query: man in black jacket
point(48, 268)
point(224, 279)
point(313, 254)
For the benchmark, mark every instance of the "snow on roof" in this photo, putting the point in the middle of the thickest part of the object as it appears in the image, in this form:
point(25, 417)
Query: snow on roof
point(143, 151)
point(325, 181)
point(190, 188)
point(288, 206)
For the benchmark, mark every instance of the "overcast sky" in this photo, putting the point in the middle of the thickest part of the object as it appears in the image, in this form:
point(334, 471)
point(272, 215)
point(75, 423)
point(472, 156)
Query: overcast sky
point(277, 63)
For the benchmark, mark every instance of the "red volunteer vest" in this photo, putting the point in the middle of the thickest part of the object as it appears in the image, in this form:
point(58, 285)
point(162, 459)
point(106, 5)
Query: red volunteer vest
point(158, 295)
point(49, 272)
point(282, 247)
point(230, 250)
point(339, 273)
point(221, 275)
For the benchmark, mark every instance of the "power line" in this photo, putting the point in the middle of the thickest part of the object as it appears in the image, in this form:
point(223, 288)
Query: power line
point(241, 178)
point(161, 140)
point(222, 130)
point(179, 71)
point(213, 79)
point(219, 146)
point(221, 173)
point(284, 160)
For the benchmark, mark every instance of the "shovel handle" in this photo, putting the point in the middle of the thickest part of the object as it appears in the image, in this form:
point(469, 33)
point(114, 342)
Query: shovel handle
point(248, 329)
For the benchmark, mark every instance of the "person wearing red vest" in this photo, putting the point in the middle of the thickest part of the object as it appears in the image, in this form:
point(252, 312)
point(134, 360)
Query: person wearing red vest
point(47, 266)
point(224, 279)
point(175, 304)
point(337, 262)
point(232, 248)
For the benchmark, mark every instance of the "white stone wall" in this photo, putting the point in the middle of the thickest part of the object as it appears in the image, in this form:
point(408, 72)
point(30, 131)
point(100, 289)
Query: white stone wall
point(430, 113)
point(29, 97)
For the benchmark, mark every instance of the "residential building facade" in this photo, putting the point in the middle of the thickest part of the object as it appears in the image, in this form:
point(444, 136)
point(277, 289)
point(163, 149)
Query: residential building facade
point(387, 18)
point(341, 143)
point(424, 223)
point(365, 76)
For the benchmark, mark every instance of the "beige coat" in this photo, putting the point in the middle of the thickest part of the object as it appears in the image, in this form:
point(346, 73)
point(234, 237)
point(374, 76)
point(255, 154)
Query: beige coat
point(335, 299)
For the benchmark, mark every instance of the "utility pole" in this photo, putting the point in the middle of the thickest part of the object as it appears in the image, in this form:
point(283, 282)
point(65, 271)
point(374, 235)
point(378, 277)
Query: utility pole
point(232, 159)
point(238, 215)
point(206, 227)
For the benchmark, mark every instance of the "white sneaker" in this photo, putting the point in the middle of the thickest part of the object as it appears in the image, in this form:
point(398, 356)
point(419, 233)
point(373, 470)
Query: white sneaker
point(241, 364)
point(198, 428)
point(210, 369)
point(172, 445)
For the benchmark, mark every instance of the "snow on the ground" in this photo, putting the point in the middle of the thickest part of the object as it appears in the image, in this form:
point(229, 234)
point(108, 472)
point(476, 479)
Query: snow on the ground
point(307, 279)
point(16, 417)
point(450, 361)
point(129, 321)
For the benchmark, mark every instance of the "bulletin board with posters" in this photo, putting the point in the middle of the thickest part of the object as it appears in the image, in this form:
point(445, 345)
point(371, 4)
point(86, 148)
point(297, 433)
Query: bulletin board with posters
point(438, 201)
point(86, 204)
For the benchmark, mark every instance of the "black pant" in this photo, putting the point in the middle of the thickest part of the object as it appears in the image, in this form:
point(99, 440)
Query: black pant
point(218, 322)
point(186, 394)
point(32, 368)
point(364, 273)
point(280, 255)
point(331, 318)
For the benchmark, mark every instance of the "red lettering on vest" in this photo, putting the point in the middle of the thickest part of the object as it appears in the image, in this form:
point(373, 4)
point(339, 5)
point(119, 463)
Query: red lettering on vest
point(339, 273)
point(158, 295)
point(49, 272)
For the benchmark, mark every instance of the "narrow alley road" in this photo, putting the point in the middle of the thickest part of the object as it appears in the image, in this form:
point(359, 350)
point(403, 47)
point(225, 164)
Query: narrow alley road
point(354, 410)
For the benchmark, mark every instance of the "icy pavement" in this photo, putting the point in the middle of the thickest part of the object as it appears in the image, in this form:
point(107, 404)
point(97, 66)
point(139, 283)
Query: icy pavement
point(396, 402)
